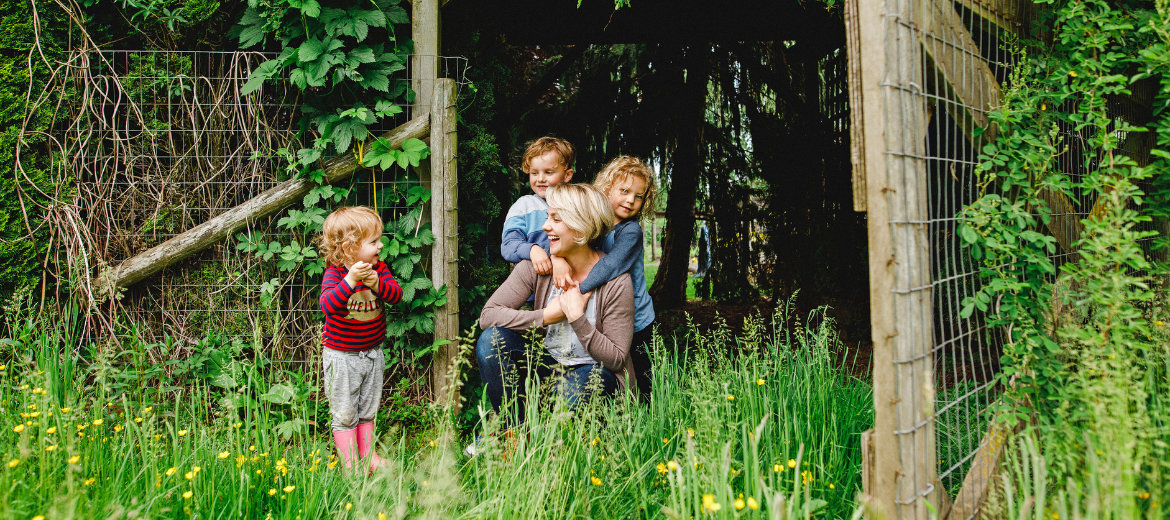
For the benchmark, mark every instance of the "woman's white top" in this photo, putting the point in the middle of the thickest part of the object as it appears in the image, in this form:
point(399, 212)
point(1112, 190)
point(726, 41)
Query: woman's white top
point(560, 338)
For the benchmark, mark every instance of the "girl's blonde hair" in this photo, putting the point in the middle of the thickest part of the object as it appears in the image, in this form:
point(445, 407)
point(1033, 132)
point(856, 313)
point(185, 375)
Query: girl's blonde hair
point(583, 208)
point(622, 168)
point(345, 228)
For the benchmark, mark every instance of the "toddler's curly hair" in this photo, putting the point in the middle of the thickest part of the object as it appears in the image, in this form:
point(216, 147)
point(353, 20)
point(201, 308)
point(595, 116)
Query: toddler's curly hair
point(621, 168)
point(344, 229)
point(545, 145)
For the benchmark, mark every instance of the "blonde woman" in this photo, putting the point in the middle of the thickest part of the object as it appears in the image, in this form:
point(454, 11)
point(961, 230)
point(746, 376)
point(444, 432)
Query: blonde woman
point(583, 334)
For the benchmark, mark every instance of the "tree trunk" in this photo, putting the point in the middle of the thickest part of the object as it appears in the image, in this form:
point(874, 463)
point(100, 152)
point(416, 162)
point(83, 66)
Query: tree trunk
point(670, 285)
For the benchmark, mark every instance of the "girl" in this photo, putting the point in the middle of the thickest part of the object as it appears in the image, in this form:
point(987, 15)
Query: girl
point(629, 185)
point(356, 288)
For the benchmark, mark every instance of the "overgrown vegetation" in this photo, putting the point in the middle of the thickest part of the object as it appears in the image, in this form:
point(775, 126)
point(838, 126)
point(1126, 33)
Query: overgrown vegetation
point(1083, 103)
point(746, 426)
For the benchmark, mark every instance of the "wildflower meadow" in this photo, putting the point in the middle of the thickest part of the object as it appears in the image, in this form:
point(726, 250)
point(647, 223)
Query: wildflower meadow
point(763, 425)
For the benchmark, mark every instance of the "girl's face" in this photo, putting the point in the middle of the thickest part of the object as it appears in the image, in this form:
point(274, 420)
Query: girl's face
point(560, 237)
point(367, 251)
point(626, 197)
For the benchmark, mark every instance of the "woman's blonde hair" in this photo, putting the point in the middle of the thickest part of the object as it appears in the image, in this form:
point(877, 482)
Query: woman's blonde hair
point(622, 168)
point(345, 228)
point(583, 208)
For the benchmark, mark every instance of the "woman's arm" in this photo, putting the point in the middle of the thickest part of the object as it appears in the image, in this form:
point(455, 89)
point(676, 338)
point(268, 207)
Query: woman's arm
point(627, 249)
point(617, 315)
point(503, 308)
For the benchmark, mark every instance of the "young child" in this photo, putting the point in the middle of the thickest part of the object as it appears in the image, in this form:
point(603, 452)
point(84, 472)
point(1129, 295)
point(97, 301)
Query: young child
point(629, 184)
point(356, 288)
point(547, 162)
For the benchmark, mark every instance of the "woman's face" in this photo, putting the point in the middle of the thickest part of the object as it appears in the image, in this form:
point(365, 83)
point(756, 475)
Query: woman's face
point(560, 237)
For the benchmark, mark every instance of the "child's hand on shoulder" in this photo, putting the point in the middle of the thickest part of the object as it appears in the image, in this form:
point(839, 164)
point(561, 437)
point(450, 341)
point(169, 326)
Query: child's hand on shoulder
point(540, 260)
point(562, 274)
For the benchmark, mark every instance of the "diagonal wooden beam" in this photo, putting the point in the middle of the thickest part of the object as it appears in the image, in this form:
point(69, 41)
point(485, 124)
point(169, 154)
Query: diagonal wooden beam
point(960, 74)
point(999, 17)
point(211, 232)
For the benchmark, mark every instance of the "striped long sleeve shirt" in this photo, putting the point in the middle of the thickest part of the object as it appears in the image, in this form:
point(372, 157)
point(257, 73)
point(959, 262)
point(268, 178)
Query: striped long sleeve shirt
point(355, 317)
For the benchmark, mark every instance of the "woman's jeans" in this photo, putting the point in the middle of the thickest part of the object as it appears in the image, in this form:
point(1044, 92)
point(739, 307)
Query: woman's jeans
point(505, 362)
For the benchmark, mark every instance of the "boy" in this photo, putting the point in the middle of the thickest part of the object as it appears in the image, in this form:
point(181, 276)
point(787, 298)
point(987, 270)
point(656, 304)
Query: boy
point(355, 289)
point(547, 162)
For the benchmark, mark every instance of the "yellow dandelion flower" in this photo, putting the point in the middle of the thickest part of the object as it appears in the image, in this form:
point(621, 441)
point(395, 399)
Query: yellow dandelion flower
point(138, 420)
point(12, 463)
point(190, 475)
point(752, 504)
point(65, 410)
point(223, 455)
point(739, 504)
point(196, 469)
point(596, 481)
point(332, 465)
point(89, 481)
point(252, 448)
point(760, 382)
point(792, 463)
point(271, 491)
point(709, 504)
point(51, 430)
point(731, 398)
point(237, 425)
point(665, 440)
point(188, 495)
point(289, 489)
point(118, 428)
point(596, 441)
point(661, 468)
point(98, 422)
point(672, 465)
point(148, 409)
point(1159, 323)
point(50, 447)
point(182, 433)
point(348, 506)
point(74, 459)
point(778, 468)
point(19, 428)
point(172, 471)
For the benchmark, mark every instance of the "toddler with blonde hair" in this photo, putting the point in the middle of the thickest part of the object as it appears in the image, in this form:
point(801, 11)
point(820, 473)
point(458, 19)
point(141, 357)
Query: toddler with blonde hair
point(356, 288)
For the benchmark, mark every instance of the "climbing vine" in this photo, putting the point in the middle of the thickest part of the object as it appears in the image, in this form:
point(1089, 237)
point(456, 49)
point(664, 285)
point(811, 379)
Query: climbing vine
point(348, 85)
point(1078, 354)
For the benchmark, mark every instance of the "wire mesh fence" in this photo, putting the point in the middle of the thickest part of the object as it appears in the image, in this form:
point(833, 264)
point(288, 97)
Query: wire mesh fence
point(167, 143)
point(946, 66)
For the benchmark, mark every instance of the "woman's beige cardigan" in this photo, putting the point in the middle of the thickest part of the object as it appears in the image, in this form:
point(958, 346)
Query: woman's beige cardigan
point(607, 341)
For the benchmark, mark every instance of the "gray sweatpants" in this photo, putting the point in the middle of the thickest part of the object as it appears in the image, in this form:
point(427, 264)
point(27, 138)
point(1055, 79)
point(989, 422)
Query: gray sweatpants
point(353, 384)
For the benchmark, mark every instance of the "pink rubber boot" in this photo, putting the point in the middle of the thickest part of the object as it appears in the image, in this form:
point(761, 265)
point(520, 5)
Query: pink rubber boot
point(367, 445)
point(346, 442)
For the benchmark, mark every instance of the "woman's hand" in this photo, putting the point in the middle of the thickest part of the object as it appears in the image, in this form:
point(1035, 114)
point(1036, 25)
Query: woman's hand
point(553, 312)
point(573, 303)
point(562, 274)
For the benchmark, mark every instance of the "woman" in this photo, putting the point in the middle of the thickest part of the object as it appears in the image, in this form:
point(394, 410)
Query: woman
point(585, 334)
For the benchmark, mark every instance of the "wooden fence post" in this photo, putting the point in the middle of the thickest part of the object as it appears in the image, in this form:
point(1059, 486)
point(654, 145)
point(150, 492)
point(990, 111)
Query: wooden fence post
point(445, 225)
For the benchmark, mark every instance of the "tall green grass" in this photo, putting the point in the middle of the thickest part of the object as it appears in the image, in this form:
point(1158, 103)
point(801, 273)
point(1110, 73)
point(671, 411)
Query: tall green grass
point(759, 426)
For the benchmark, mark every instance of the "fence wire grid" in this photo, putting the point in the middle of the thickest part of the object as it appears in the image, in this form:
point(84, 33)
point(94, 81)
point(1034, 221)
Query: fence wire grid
point(946, 66)
point(167, 143)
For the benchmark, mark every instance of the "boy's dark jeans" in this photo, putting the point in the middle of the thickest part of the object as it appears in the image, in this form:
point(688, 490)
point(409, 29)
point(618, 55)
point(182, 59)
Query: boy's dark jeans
point(643, 367)
point(503, 357)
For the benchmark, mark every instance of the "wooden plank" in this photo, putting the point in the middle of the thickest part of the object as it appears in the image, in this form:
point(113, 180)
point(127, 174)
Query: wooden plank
point(867, 465)
point(856, 121)
point(886, 465)
point(424, 63)
point(963, 77)
point(984, 467)
point(213, 231)
point(999, 17)
point(445, 250)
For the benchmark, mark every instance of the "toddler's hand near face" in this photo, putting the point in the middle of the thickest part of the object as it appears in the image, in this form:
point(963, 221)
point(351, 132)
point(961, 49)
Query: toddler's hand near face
point(358, 272)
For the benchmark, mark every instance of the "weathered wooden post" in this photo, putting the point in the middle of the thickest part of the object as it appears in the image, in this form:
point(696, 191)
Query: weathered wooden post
point(445, 224)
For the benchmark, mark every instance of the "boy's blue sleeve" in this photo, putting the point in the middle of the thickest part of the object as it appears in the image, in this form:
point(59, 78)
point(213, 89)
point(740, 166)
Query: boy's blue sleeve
point(627, 249)
point(522, 230)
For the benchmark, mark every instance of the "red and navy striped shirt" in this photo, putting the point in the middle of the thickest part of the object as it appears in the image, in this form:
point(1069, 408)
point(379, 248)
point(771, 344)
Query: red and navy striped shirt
point(338, 302)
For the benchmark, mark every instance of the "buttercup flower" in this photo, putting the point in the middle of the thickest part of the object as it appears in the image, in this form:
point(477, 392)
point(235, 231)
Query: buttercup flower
point(19, 428)
point(74, 459)
point(138, 420)
point(289, 489)
point(39, 517)
point(739, 504)
point(271, 491)
point(731, 398)
point(760, 382)
point(778, 468)
point(223, 455)
point(51, 430)
point(50, 447)
point(89, 481)
point(596, 481)
point(710, 505)
point(792, 463)
point(98, 422)
point(752, 504)
point(12, 463)
point(672, 465)
point(188, 495)
point(661, 468)
point(348, 506)
point(172, 471)
point(118, 428)
point(182, 433)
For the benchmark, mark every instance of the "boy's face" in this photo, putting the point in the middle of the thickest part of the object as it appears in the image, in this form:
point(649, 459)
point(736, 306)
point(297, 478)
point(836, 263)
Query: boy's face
point(367, 251)
point(546, 171)
point(626, 196)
